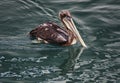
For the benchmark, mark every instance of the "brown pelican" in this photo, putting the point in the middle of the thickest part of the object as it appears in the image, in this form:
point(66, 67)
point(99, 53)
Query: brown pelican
point(51, 33)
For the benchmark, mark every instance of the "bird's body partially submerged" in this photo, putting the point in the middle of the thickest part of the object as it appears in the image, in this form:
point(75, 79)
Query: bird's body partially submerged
point(51, 33)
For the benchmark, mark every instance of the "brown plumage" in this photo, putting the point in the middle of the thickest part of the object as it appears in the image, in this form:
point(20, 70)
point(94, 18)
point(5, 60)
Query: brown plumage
point(50, 32)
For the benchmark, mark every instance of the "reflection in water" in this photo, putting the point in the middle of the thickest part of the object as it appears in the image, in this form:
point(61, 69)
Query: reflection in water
point(70, 64)
point(22, 62)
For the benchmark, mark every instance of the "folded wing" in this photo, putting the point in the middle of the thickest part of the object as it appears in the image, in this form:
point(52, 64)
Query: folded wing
point(51, 33)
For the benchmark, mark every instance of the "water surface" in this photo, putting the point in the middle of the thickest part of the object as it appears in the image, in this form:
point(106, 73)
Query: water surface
point(98, 21)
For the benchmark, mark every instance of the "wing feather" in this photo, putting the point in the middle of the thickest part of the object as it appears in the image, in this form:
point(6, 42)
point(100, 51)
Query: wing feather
point(51, 33)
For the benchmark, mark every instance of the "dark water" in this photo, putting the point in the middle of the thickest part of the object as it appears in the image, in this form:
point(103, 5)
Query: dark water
point(21, 61)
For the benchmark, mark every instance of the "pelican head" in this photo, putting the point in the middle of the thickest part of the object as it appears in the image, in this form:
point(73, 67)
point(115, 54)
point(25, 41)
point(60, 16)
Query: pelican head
point(67, 21)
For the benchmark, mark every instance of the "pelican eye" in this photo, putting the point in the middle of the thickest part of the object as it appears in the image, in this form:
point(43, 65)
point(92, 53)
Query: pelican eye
point(68, 17)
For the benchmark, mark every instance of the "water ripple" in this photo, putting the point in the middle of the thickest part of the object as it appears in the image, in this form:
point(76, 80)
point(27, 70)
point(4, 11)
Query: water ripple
point(22, 61)
point(70, 1)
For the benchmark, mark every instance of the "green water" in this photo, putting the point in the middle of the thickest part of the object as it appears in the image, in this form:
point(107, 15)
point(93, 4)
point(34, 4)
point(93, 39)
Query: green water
point(21, 61)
